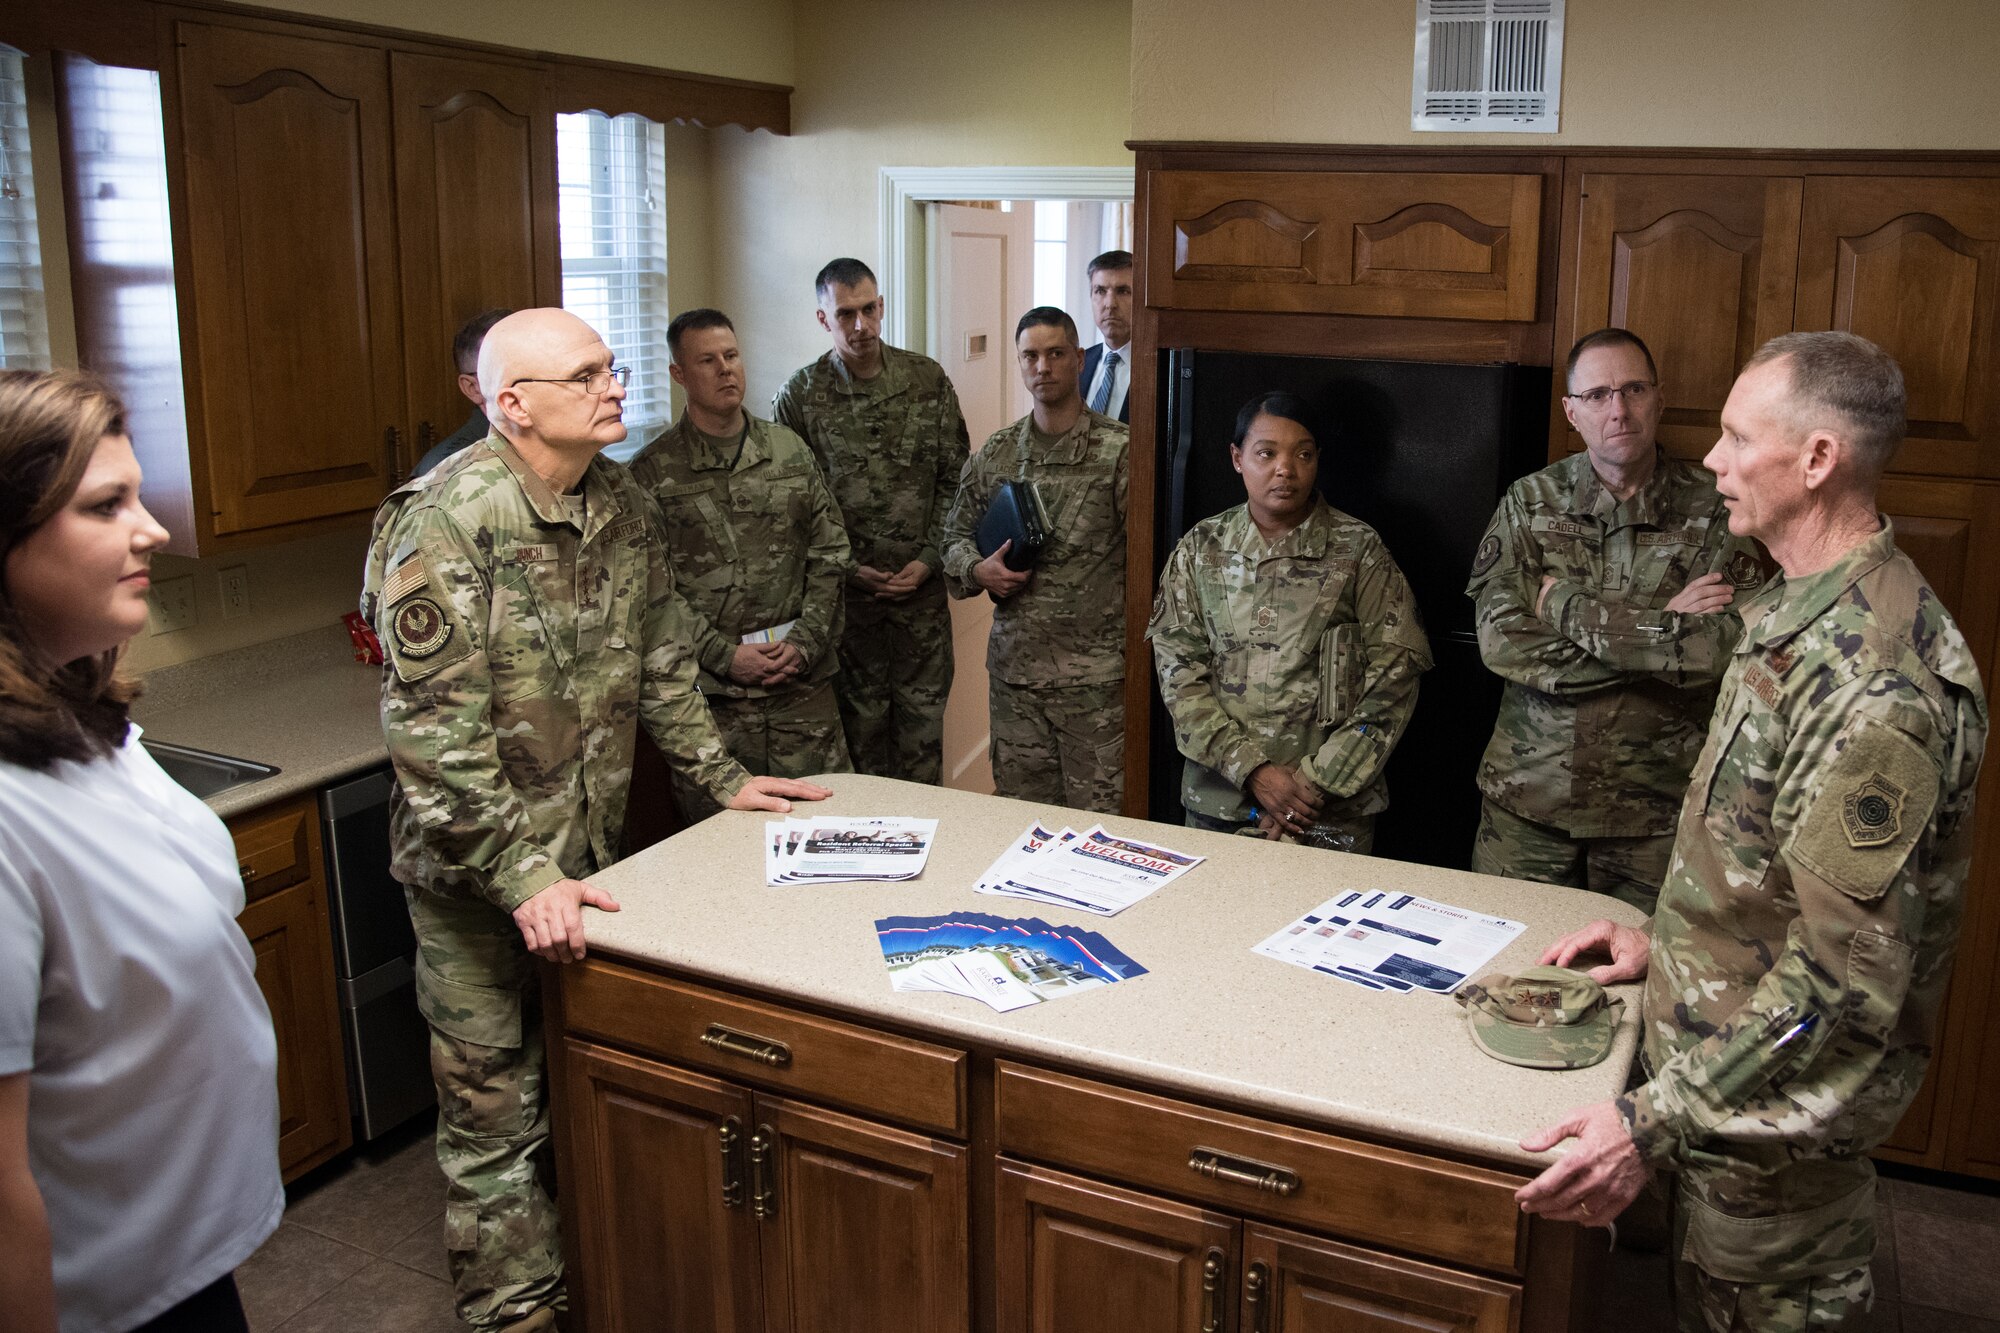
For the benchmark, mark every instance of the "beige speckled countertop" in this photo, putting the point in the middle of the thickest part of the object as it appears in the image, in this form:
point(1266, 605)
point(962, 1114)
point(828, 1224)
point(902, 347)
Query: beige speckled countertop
point(301, 703)
point(1210, 1018)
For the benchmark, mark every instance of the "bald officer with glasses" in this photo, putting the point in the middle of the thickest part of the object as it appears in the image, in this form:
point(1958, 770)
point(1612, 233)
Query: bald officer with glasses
point(532, 624)
point(1606, 586)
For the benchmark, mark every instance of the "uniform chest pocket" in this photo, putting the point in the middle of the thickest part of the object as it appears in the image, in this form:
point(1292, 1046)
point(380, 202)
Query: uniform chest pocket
point(699, 533)
point(1082, 508)
point(1742, 794)
point(779, 502)
point(531, 629)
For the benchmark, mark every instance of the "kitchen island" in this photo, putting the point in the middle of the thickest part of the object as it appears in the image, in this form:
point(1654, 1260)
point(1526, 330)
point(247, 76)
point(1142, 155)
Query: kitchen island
point(756, 1131)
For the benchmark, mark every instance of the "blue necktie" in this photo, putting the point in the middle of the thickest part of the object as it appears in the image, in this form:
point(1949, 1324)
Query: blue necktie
point(1100, 401)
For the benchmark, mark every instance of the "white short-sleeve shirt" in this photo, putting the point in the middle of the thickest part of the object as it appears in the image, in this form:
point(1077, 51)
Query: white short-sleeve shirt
point(128, 995)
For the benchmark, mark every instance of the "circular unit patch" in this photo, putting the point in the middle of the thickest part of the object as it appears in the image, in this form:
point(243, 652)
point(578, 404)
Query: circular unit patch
point(421, 627)
point(1489, 555)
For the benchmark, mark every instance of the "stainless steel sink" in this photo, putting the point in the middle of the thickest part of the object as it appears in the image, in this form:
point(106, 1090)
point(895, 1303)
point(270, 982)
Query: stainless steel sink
point(203, 773)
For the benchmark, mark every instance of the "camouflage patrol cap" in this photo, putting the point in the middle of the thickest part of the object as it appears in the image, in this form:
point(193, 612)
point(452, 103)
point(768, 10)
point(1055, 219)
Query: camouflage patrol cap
point(1541, 1017)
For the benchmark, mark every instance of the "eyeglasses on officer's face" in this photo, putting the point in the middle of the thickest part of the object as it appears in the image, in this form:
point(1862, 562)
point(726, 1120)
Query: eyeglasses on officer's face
point(596, 382)
point(1633, 392)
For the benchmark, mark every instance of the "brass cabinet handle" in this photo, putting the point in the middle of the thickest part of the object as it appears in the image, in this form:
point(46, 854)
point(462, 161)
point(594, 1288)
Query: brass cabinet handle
point(1243, 1171)
point(731, 1136)
point(1211, 1293)
point(1256, 1289)
point(761, 1049)
point(392, 449)
point(426, 437)
point(763, 1173)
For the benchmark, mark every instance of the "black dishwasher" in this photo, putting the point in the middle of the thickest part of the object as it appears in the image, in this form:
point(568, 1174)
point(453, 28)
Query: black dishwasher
point(374, 959)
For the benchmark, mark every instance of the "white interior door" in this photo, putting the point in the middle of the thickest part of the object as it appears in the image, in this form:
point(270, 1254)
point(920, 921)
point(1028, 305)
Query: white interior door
point(983, 269)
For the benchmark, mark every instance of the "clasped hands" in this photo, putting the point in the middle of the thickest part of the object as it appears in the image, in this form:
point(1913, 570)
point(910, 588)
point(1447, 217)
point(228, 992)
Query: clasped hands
point(551, 922)
point(1602, 1172)
point(766, 664)
point(887, 587)
point(1287, 801)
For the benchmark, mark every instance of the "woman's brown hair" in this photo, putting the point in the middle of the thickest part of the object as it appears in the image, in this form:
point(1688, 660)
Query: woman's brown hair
point(50, 425)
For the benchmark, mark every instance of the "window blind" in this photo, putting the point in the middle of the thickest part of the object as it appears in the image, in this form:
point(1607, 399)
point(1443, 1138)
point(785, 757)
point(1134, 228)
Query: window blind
point(24, 323)
point(611, 179)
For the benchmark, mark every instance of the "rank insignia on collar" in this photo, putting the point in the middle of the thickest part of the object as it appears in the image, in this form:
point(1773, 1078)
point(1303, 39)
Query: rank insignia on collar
point(421, 627)
point(1872, 814)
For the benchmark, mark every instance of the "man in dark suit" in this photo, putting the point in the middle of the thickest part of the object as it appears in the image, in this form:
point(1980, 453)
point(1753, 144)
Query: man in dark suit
point(1106, 380)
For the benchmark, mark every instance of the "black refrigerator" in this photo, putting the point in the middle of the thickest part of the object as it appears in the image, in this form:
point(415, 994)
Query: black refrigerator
point(1422, 452)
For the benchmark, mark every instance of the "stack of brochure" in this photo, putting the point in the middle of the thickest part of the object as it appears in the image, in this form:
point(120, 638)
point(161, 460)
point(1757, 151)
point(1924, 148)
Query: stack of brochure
point(1095, 871)
point(824, 850)
point(1010, 963)
point(1392, 941)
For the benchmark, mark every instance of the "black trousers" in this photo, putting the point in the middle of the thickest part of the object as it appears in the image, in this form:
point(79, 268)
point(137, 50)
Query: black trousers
point(213, 1309)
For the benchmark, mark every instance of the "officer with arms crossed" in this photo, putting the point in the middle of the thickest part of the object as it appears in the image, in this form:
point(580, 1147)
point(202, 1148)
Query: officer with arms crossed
point(756, 540)
point(1604, 587)
point(885, 425)
point(1289, 648)
point(1056, 660)
point(1805, 933)
point(532, 623)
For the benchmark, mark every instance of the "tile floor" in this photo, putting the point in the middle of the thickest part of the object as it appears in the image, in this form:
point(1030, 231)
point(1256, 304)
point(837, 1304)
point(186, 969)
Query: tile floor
point(362, 1248)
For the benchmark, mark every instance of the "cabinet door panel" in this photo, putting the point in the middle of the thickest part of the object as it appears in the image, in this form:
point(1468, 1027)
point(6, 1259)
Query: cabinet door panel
point(1439, 245)
point(868, 1227)
point(1076, 1256)
point(1913, 263)
point(1701, 267)
point(1303, 1284)
point(287, 931)
point(667, 1249)
point(476, 211)
point(292, 273)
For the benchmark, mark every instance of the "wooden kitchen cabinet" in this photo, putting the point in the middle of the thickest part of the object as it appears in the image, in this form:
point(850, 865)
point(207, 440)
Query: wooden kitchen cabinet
point(711, 1185)
point(698, 1203)
point(476, 216)
point(285, 920)
point(1912, 263)
point(1708, 264)
point(1077, 1256)
point(347, 208)
point(1443, 245)
point(296, 363)
point(1702, 267)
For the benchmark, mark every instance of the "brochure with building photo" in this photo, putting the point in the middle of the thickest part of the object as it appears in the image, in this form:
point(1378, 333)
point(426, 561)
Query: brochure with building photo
point(1392, 941)
point(827, 850)
point(1008, 963)
point(1095, 871)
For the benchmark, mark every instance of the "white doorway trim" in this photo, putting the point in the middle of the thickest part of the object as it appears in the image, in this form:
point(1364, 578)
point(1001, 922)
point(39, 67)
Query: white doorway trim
point(902, 245)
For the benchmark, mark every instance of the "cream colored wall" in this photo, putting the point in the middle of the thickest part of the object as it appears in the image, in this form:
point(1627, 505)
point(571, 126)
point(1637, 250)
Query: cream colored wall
point(1699, 73)
point(743, 39)
point(901, 83)
point(294, 587)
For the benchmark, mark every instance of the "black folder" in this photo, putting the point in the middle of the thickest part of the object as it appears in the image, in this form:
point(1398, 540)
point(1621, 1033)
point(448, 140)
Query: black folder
point(1016, 515)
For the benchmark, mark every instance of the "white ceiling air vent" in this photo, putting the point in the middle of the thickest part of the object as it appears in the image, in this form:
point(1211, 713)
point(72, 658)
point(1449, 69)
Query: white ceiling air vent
point(1488, 65)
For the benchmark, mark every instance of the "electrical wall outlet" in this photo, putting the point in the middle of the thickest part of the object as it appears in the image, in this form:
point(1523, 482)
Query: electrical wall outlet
point(173, 604)
point(235, 584)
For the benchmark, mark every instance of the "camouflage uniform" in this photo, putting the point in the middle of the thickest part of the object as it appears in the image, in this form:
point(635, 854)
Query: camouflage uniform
point(1607, 692)
point(892, 448)
point(756, 541)
point(1306, 652)
point(1056, 660)
point(1805, 934)
point(529, 634)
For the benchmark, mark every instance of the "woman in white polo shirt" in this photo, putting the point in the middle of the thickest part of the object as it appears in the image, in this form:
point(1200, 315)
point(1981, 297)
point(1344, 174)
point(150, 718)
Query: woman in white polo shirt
point(138, 1097)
